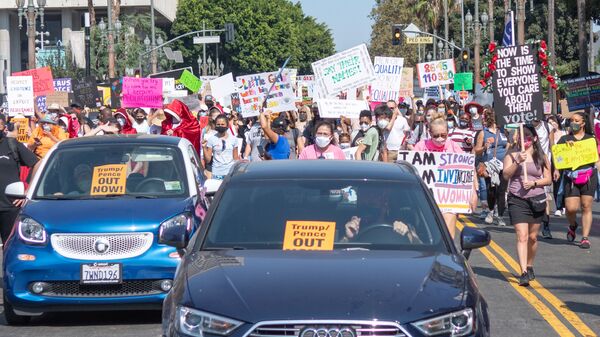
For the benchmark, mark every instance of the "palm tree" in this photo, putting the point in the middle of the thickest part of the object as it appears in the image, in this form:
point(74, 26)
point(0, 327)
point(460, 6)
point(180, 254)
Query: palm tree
point(583, 51)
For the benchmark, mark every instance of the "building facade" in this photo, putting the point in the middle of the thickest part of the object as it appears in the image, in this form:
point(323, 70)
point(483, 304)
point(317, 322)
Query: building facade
point(64, 21)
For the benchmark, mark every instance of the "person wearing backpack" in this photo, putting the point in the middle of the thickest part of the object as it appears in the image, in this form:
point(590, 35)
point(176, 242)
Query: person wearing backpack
point(367, 138)
point(13, 155)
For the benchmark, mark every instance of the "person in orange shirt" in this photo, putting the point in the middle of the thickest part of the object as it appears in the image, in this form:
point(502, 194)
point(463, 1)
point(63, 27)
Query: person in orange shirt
point(44, 136)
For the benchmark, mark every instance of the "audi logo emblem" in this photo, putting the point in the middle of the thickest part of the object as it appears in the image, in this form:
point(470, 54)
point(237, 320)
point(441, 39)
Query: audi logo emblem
point(102, 246)
point(327, 332)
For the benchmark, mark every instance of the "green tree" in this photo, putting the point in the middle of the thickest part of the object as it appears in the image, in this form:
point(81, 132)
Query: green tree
point(384, 14)
point(266, 33)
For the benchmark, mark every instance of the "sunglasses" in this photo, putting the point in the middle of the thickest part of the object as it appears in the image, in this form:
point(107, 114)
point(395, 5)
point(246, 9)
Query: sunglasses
point(439, 135)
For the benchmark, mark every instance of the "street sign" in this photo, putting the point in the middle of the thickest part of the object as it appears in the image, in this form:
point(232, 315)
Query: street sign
point(207, 39)
point(419, 40)
point(411, 31)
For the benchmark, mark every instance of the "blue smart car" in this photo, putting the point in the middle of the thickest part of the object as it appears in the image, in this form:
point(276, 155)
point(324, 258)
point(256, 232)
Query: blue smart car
point(90, 236)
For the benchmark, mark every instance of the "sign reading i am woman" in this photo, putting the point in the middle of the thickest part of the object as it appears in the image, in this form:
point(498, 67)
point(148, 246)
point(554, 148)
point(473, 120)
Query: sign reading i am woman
point(450, 177)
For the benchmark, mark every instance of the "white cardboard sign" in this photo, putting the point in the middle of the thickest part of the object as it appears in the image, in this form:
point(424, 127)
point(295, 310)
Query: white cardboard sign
point(349, 69)
point(388, 72)
point(223, 86)
point(334, 108)
point(20, 95)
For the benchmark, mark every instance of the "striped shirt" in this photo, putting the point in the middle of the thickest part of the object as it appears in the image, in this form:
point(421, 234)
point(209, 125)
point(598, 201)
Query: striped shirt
point(460, 136)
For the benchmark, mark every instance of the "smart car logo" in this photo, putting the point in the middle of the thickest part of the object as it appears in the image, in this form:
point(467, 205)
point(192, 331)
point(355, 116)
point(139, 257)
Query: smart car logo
point(102, 246)
point(327, 332)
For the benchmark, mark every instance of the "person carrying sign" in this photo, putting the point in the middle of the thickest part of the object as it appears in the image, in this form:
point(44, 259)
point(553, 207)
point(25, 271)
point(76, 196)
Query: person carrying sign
point(528, 172)
point(438, 142)
point(44, 136)
point(580, 183)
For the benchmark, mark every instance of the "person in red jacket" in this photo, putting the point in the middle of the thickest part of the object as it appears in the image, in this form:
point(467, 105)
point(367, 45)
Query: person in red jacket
point(123, 120)
point(180, 122)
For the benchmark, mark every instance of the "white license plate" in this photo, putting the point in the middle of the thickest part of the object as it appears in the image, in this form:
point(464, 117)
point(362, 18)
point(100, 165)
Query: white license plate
point(101, 273)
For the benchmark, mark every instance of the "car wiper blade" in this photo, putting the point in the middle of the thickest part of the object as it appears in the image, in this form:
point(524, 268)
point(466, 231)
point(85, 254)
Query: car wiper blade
point(55, 197)
point(356, 248)
point(226, 248)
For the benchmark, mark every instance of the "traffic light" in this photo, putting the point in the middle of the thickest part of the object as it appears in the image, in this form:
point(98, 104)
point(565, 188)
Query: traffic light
point(396, 35)
point(464, 57)
point(229, 32)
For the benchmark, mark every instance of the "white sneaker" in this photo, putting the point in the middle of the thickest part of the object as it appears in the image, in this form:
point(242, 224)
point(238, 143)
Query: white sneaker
point(563, 211)
point(557, 213)
point(500, 222)
point(489, 218)
point(483, 214)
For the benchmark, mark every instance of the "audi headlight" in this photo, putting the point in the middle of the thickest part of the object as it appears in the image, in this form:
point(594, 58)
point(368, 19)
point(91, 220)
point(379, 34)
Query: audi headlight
point(195, 323)
point(31, 231)
point(456, 324)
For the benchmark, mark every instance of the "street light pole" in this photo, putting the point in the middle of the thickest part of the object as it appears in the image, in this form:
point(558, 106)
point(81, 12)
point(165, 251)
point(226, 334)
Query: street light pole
point(521, 22)
point(462, 23)
point(446, 27)
point(31, 13)
point(111, 47)
point(477, 48)
point(153, 32)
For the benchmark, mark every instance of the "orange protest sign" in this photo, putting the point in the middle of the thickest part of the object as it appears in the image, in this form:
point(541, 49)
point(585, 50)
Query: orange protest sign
point(23, 126)
point(309, 235)
point(109, 179)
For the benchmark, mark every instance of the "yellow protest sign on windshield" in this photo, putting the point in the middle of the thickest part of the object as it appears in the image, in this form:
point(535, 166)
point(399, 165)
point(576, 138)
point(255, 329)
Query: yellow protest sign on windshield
point(571, 157)
point(309, 235)
point(109, 179)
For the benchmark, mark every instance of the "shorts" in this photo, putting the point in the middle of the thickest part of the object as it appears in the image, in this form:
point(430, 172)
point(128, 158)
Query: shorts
point(589, 188)
point(520, 211)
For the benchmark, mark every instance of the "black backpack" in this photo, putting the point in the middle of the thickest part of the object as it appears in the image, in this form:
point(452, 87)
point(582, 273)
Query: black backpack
point(13, 146)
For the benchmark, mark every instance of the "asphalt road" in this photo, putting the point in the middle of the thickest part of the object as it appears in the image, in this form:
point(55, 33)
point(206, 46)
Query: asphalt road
point(563, 301)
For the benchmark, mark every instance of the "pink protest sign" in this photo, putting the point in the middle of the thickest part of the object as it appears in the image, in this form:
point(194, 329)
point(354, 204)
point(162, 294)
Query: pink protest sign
point(142, 92)
point(42, 80)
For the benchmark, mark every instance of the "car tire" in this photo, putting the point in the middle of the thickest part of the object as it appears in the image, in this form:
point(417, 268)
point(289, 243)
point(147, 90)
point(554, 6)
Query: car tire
point(11, 317)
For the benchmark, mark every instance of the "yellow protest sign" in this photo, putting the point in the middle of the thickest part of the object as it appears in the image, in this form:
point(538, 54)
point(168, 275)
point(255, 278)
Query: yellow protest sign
point(109, 179)
point(309, 235)
point(23, 127)
point(571, 157)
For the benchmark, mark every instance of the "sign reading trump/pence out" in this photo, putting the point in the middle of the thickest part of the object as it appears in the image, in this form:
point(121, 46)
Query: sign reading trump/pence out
point(309, 235)
point(109, 179)
point(448, 175)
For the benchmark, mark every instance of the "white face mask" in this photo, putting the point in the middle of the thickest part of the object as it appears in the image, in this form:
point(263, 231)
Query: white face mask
point(345, 145)
point(46, 127)
point(383, 123)
point(121, 121)
point(322, 141)
point(450, 125)
point(364, 126)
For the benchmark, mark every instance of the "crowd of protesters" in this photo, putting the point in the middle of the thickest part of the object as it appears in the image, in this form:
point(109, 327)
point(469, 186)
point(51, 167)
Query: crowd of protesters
point(222, 137)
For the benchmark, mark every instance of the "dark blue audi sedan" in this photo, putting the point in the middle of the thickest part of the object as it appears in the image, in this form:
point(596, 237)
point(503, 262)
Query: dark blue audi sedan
point(324, 249)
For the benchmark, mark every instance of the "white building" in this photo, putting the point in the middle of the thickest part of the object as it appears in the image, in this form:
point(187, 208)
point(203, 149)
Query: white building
point(64, 21)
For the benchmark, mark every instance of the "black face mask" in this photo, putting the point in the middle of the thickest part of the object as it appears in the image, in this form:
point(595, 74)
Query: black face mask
point(139, 120)
point(221, 129)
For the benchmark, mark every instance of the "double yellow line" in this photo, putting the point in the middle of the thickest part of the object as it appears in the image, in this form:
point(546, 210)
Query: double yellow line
point(528, 295)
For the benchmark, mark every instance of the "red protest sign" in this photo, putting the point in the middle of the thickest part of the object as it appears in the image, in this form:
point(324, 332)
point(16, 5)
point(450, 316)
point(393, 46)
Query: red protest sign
point(43, 82)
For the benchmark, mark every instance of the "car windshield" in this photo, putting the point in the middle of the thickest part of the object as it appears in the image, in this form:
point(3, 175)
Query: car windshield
point(115, 171)
point(324, 215)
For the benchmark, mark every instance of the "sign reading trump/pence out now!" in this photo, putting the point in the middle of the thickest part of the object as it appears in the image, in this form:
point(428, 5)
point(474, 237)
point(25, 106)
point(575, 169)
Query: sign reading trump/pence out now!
point(309, 235)
point(109, 179)
point(448, 175)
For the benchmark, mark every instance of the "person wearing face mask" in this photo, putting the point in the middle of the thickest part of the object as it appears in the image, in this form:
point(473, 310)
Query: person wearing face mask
point(491, 144)
point(580, 183)
point(123, 120)
point(324, 147)
point(395, 132)
point(303, 118)
point(463, 134)
point(419, 131)
point(140, 123)
point(527, 197)
point(476, 115)
point(13, 156)
point(308, 136)
point(44, 136)
point(221, 149)
point(180, 122)
point(345, 141)
point(277, 147)
point(367, 138)
point(438, 142)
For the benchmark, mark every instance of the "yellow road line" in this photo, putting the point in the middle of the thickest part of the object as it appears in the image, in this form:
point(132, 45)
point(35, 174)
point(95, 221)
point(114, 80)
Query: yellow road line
point(538, 305)
point(560, 306)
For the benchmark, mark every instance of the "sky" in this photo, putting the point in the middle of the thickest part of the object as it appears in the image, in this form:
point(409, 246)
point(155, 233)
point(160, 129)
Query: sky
point(347, 19)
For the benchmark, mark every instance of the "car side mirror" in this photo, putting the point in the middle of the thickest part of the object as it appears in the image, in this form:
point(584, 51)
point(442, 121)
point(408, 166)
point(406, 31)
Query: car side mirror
point(174, 236)
point(473, 238)
point(15, 190)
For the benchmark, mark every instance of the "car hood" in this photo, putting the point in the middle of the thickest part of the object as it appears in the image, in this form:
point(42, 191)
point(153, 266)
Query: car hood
point(254, 286)
point(110, 215)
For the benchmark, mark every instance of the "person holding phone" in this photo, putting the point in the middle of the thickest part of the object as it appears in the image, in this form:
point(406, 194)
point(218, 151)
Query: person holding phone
point(44, 136)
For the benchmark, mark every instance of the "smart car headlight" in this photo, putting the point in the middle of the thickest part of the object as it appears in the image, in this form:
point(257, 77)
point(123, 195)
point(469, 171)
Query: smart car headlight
point(31, 231)
point(195, 323)
point(184, 220)
point(456, 324)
